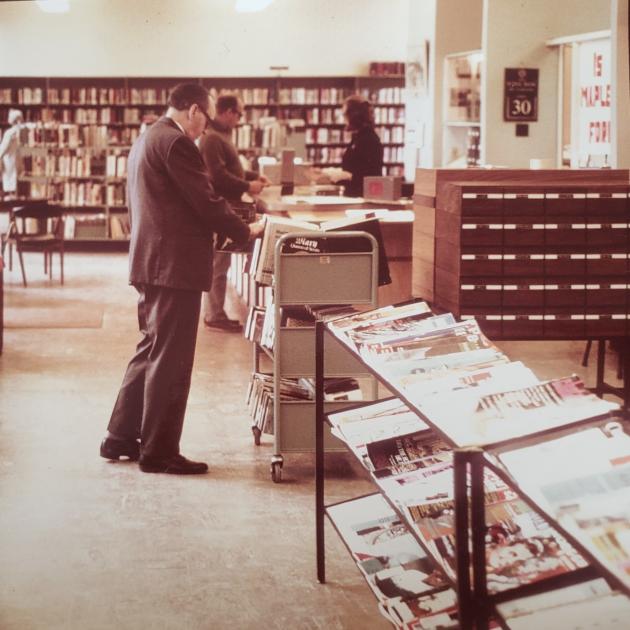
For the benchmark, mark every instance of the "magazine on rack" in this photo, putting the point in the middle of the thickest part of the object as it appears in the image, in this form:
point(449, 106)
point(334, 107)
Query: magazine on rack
point(521, 547)
point(381, 420)
point(599, 465)
point(406, 453)
point(488, 379)
point(383, 314)
point(525, 606)
point(375, 339)
point(390, 558)
point(460, 337)
point(470, 419)
point(438, 610)
point(610, 611)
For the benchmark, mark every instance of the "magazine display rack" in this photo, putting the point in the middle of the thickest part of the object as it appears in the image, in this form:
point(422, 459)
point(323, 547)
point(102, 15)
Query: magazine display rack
point(301, 279)
point(492, 426)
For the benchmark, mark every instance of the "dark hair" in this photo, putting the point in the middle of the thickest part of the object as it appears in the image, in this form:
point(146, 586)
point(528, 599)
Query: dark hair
point(184, 95)
point(359, 112)
point(227, 102)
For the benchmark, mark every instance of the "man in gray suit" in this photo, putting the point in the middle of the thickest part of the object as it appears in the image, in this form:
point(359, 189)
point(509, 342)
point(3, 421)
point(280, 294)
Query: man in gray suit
point(174, 214)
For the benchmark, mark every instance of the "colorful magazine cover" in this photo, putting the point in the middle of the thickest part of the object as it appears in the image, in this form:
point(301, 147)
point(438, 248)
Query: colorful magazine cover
point(470, 419)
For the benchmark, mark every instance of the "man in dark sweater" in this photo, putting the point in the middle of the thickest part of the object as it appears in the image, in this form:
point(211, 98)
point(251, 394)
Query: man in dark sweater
point(229, 180)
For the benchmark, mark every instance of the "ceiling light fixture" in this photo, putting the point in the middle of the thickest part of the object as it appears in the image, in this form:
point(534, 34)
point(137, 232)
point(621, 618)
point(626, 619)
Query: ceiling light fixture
point(251, 6)
point(53, 6)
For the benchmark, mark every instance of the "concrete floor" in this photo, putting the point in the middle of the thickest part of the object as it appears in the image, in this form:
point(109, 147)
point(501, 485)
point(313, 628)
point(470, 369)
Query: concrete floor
point(89, 544)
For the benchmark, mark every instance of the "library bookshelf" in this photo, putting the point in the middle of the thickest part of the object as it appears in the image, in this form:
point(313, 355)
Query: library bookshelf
point(78, 132)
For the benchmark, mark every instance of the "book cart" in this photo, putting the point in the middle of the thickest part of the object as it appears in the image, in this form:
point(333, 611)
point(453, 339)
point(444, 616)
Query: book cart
point(511, 456)
point(300, 279)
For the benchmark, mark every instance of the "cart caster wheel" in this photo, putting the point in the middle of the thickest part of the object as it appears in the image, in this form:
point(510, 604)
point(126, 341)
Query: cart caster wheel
point(276, 472)
point(257, 433)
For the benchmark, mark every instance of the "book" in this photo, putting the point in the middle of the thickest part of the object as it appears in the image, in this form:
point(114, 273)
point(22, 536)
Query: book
point(490, 419)
point(275, 227)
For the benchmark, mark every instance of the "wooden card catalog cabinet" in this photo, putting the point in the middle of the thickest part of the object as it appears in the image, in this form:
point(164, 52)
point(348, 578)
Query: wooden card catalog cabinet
point(534, 260)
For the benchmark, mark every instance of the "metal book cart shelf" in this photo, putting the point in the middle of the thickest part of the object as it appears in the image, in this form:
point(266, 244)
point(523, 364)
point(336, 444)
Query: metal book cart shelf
point(300, 279)
point(475, 603)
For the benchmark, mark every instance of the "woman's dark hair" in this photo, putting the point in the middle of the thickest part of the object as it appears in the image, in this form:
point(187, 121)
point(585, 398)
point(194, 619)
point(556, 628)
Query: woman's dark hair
point(227, 102)
point(359, 112)
point(184, 95)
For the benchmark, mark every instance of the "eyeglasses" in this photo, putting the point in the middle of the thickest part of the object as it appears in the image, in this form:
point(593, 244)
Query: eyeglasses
point(205, 115)
point(238, 112)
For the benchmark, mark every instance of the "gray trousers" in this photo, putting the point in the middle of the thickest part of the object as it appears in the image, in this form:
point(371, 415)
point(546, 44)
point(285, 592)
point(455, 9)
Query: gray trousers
point(214, 300)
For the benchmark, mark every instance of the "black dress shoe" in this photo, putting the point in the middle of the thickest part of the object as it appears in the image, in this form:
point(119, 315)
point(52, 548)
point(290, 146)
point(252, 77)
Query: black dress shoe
point(115, 449)
point(224, 324)
point(176, 465)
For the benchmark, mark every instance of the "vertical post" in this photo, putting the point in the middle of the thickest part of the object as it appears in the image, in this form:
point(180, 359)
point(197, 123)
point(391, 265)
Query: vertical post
point(601, 366)
point(624, 350)
point(462, 549)
point(478, 535)
point(319, 451)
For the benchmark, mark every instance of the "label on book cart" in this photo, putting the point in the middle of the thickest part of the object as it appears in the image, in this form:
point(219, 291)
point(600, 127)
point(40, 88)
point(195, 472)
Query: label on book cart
point(324, 260)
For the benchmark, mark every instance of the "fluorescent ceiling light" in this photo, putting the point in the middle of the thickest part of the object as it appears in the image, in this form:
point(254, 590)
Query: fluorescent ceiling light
point(53, 6)
point(250, 6)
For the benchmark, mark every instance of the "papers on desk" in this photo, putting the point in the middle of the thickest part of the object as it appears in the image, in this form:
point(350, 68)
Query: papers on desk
point(383, 214)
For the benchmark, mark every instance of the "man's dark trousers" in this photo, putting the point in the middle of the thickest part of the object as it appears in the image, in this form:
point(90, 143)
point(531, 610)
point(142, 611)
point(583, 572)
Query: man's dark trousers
point(152, 400)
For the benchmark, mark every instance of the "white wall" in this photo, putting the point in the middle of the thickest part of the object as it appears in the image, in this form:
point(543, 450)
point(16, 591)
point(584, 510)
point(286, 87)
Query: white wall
point(514, 34)
point(458, 26)
point(621, 85)
point(419, 105)
point(201, 38)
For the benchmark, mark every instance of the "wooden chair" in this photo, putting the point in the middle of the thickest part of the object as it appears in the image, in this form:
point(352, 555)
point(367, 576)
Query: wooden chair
point(37, 227)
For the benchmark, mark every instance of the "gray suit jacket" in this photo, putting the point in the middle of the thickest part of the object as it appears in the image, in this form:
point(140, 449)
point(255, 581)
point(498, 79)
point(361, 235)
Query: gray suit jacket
point(174, 211)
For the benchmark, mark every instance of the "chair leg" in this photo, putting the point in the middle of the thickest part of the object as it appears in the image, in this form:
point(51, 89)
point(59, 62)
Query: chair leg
point(587, 351)
point(45, 263)
point(61, 264)
point(21, 259)
point(10, 256)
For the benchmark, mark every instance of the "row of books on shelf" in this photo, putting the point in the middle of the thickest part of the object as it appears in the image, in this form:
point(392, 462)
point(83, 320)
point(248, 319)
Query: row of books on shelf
point(267, 134)
point(95, 226)
point(63, 135)
point(389, 115)
point(312, 96)
point(73, 193)
point(454, 387)
point(93, 116)
point(327, 135)
point(53, 135)
point(91, 95)
point(79, 162)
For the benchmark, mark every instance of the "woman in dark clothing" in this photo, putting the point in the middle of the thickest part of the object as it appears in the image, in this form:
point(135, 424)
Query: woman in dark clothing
point(364, 155)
